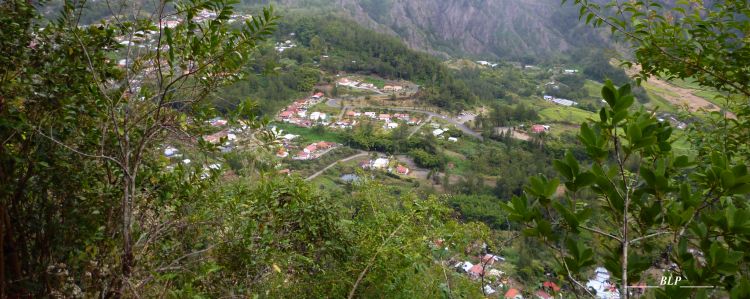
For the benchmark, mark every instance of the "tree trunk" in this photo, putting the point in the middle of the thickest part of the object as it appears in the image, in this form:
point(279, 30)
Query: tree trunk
point(127, 242)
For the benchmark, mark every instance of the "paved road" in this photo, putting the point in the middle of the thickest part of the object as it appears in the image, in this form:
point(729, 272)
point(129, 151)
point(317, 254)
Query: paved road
point(458, 124)
point(315, 175)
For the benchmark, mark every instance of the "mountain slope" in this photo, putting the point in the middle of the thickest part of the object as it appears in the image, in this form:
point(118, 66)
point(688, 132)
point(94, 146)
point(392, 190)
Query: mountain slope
point(513, 29)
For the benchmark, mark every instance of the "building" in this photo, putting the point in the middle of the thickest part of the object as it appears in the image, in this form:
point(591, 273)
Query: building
point(384, 117)
point(513, 294)
point(402, 170)
point(452, 139)
point(392, 88)
point(538, 128)
point(391, 125)
point(380, 163)
point(542, 295)
point(311, 148)
point(371, 114)
point(437, 132)
point(476, 271)
point(170, 151)
point(282, 153)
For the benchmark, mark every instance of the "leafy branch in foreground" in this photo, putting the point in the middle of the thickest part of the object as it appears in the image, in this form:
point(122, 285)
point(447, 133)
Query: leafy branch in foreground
point(639, 206)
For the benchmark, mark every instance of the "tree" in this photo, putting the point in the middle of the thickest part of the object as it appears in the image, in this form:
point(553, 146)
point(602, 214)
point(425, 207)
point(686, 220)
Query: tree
point(655, 203)
point(110, 119)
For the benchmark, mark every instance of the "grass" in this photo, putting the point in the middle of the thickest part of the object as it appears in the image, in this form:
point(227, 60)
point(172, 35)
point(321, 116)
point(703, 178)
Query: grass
point(379, 83)
point(564, 114)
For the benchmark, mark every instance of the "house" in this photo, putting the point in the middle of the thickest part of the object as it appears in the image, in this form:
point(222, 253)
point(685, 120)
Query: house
point(285, 171)
point(302, 113)
point(391, 125)
point(464, 266)
point(324, 145)
point(317, 95)
point(402, 170)
point(384, 117)
point(490, 259)
point(286, 114)
point(318, 116)
point(218, 122)
point(380, 163)
point(302, 156)
point(393, 88)
point(401, 116)
point(538, 128)
point(414, 121)
point(290, 136)
point(542, 295)
point(476, 271)
point(282, 153)
point(551, 286)
point(548, 98)
point(489, 290)
point(216, 137)
point(170, 151)
point(311, 148)
point(371, 114)
point(452, 139)
point(351, 113)
point(513, 294)
point(437, 132)
point(570, 71)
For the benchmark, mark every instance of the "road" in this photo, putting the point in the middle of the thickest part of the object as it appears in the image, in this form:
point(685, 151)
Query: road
point(315, 175)
point(458, 124)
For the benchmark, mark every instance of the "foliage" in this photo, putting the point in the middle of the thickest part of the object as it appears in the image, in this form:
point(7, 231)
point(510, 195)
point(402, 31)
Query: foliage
point(656, 203)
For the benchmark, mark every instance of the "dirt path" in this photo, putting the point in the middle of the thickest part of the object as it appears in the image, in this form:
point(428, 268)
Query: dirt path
point(315, 175)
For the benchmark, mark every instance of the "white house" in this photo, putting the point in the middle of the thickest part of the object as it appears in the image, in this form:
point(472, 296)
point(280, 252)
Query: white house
point(437, 132)
point(380, 163)
point(452, 139)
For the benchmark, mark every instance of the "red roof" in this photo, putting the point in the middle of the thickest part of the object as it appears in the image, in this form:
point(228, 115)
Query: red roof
point(323, 145)
point(286, 113)
point(488, 259)
point(402, 170)
point(351, 113)
point(512, 293)
point(311, 147)
point(476, 270)
point(320, 94)
point(543, 295)
point(551, 285)
point(537, 128)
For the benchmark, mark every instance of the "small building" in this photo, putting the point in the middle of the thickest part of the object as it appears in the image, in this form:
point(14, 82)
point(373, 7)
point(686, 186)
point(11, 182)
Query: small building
point(282, 153)
point(402, 170)
point(380, 163)
point(311, 148)
point(452, 139)
point(542, 295)
point(513, 294)
point(371, 114)
point(285, 172)
point(391, 125)
point(384, 117)
point(323, 145)
point(437, 132)
point(170, 151)
point(286, 114)
point(476, 271)
point(393, 88)
point(538, 129)
point(218, 122)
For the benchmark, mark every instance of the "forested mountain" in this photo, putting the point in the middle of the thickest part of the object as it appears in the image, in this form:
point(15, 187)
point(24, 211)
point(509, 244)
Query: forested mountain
point(483, 28)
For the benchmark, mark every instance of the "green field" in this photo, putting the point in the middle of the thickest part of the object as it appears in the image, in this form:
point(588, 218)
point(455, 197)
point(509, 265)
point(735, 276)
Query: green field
point(564, 114)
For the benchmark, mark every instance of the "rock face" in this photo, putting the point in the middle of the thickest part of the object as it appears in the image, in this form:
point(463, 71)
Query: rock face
point(480, 28)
